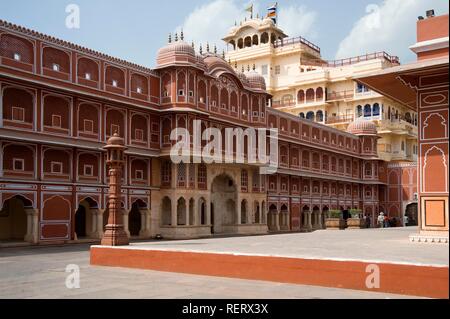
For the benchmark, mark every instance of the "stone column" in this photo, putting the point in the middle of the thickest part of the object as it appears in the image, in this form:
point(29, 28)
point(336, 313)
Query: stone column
point(155, 213)
point(277, 221)
point(125, 214)
point(97, 224)
point(188, 222)
point(174, 216)
point(238, 209)
point(320, 221)
point(208, 211)
point(309, 220)
point(195, 213)
point(32, 235)
point(145, 223)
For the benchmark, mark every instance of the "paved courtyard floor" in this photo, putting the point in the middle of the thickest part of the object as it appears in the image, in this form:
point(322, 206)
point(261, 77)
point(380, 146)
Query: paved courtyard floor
point(39, 272)
point(368, 245)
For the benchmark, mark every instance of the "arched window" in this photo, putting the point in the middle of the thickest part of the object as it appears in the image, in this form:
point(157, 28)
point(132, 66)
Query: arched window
point(319, 94)
point(359, 111)
point(319, 116)
point(310, 95)
point(376, 109)
point(301, 97)
point(302, 115)
point(367, 110)
point(255, 40)
point(310, 116)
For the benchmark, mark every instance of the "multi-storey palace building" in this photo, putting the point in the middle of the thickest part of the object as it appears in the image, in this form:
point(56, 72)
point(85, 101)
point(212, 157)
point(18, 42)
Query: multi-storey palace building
point(60, 103)
point(305, 85)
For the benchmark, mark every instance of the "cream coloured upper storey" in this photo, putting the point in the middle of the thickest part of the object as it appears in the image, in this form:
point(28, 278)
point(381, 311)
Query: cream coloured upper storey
point(304, 84)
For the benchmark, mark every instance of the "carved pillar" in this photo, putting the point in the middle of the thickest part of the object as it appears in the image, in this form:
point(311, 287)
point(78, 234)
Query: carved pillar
point(115, 234)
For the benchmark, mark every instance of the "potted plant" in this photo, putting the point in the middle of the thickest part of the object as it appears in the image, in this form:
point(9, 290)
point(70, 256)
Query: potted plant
point(356, 221)
point(335, 220)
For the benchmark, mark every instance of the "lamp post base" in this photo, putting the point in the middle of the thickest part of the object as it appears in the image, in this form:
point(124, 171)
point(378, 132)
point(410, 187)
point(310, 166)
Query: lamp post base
point(115, 236)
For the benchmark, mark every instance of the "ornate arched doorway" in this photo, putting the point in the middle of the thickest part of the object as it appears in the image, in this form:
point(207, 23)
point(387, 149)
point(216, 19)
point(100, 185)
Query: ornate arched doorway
point(413, 214)
point(223, 203)
point(135, 218)
point(13, 219)
point(84, 223)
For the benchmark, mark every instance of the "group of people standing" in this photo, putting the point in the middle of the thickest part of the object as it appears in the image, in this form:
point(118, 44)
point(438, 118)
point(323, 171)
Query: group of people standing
point(384, 221)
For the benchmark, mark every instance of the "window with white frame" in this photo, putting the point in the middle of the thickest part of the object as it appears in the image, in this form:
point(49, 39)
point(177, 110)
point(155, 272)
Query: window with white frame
point(56, 167)
point(17, 56)
point(55, 67)
point(191, 93)
point(139, 135)
point(18, 164)
point(181, 92)
point(88, 126)
point(18, 114)
point(56, 121)
point(88, 170)
point(87, 76)
point(139, 90)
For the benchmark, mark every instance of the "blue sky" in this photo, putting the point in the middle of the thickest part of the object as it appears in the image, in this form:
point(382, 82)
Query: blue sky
point(135, 29)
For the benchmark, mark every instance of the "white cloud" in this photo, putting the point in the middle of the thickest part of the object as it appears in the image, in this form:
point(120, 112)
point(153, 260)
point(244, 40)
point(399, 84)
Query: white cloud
point(297, 21)
point(389, 27)
point(212, 21)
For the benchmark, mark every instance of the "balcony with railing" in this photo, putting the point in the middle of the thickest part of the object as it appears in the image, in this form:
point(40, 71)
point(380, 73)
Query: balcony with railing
point(399, 126)
point(297, 40)
point(343, 119)
point(341, 95)
point(280, 104)
point(362, 58)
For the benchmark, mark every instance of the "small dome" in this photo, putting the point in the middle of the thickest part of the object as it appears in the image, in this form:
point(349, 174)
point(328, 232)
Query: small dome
point(115, 140)
point(213, 61)
point(178, 51)
point(200, 62)
point(243, 78)
point(362, 127)
point(256, 81)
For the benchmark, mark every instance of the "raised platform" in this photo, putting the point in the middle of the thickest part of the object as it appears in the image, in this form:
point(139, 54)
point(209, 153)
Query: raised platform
point(340, 259)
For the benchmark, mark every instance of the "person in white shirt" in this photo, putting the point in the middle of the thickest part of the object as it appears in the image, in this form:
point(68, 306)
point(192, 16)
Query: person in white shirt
point(381, 220)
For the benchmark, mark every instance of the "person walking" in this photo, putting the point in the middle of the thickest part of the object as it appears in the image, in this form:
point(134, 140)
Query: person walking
point(386, 221)
point(380, 220)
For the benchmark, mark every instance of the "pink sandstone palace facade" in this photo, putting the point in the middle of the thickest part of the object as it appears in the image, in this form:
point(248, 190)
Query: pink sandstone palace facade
point(60, 103)
point(422, 86)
